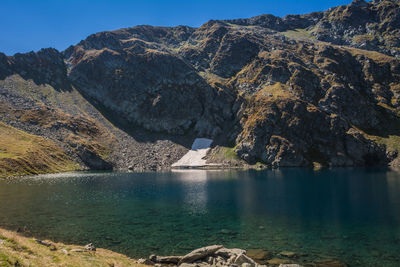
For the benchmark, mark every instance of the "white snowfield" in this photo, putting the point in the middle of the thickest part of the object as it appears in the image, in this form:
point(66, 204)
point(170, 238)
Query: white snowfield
point(194, 158)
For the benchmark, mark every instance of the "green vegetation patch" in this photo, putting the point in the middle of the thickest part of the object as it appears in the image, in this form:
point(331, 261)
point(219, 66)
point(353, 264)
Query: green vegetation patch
point(392, 142)
point(229, 153)
point(6, 261)
point(225, 155)
point(299, 34)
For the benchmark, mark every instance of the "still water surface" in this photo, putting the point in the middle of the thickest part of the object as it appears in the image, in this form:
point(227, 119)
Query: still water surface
point(349, 214)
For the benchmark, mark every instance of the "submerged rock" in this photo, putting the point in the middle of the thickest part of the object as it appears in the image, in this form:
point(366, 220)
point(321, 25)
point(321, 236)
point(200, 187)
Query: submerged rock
point(330, 263)
point(277, 261)
point(259, 255)
point(289, 254)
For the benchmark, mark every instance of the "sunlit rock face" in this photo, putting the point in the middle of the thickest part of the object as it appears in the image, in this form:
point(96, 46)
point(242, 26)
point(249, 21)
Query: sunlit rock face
point(370, 25)
point(132, 73)
point(267, 86)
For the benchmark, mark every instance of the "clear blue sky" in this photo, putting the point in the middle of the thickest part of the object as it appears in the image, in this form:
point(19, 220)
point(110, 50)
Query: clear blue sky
point(27, 25)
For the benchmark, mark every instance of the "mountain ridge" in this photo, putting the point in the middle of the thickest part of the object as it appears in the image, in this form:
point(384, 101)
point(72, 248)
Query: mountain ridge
point(302, 90)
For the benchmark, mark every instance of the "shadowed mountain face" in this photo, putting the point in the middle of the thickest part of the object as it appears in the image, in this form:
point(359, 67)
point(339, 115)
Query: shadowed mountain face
point(321, 88)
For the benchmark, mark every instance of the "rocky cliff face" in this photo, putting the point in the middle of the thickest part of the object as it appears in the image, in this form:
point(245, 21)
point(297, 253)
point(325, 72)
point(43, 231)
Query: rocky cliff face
point(321, 88)
point(137, 74)
point(61, 114)
point(367, 25)
point(370, 25)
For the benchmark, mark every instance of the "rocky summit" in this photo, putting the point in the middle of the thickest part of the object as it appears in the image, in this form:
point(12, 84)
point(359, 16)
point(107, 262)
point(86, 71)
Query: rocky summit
point(321, 89)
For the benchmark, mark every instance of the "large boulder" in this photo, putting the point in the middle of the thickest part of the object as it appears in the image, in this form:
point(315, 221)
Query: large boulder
point(200, 253)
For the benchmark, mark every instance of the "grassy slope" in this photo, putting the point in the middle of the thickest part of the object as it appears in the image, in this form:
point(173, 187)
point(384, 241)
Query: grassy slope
point(299, 34)
point(23, 154)
point(52, 107)
point(16, 250)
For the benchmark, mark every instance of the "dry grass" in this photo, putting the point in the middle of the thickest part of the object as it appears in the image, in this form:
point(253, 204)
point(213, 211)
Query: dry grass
point(395, 88)
point(76, 130)
point(53, 110)
point(248, 74)
point(16, 250)
point(275, 91)
point(213, 79)
point(260, 104)
point(23, 154)
point(392, 109)
point(299, 34)
point(376, 56)
point(363, 38)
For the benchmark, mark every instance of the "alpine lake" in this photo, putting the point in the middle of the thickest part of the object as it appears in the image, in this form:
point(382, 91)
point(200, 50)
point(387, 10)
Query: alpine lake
point(350, 214)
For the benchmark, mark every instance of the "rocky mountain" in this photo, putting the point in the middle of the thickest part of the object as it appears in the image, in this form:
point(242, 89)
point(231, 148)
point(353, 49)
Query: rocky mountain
point(302, 90)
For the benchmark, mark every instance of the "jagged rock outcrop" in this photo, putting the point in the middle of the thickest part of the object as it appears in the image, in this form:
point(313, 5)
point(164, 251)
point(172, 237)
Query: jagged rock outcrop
point(372, 25)
point(367, 25)
point(44, 67)
point(321, 88)
point(321, 102)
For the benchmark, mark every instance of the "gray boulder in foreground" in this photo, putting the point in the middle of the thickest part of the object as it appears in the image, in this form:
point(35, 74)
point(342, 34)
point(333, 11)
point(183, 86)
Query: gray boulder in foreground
point(215, 255)
point(90, 247)
point(199, 253)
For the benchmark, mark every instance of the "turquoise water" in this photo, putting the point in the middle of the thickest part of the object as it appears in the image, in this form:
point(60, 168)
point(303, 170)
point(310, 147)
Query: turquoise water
point(348, 214)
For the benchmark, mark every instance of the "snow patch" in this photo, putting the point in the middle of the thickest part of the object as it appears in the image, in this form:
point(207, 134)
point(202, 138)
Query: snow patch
point(194, 158)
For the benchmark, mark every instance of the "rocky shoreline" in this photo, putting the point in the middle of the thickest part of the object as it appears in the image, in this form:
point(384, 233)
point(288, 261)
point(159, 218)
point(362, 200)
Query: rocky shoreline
point(18, 250)
point(218, 255)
